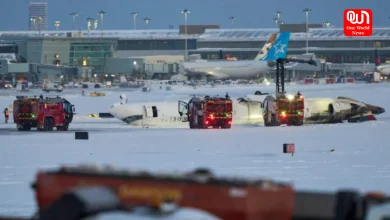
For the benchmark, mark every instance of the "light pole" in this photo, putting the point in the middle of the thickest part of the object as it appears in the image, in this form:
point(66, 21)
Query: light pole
point(276, 22)
point(95, 24)
point(327, 23)
point(185, 12)
point(134, 19)
point(89, 24)
point(147, 22)
point(74, 15)
point(34, 20)
point(307, 10)
point(102, 13)
point(57, 24)
point(39, 25)
point(278, 13)
point(232, 18)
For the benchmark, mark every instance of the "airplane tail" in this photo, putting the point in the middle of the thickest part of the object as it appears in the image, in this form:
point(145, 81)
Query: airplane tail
point(377, 59)
point(275, 48)
point(267, 46)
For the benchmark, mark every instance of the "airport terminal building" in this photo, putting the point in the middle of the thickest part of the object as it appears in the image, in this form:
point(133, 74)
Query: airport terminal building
point(115, 51)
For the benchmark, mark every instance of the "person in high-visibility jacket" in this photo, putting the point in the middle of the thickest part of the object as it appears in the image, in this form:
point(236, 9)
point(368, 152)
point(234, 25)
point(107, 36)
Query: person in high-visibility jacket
point(6, 115)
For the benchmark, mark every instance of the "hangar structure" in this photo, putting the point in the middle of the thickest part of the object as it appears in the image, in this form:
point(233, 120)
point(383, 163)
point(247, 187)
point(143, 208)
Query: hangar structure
point(117, 51)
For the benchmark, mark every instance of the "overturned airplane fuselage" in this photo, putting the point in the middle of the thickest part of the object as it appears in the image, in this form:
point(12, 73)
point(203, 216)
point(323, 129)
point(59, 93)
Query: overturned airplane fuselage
point(249, 110)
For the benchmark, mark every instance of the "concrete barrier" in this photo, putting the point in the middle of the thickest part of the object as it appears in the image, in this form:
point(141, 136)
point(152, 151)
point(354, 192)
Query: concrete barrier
point(349, 80)
point(330, 81)
point(308, 80)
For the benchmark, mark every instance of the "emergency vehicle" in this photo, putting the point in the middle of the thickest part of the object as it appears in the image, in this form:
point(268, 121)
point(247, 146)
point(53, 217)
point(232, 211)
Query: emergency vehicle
point(283, 109)
point(205, 112)
point(42, 113)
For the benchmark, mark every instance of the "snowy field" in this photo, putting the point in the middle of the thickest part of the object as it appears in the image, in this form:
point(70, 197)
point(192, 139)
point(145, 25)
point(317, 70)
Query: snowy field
point(359, 160)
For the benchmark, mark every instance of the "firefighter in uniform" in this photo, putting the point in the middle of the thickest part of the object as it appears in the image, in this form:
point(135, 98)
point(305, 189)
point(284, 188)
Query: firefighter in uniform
point(6, 115)
point(227, 96)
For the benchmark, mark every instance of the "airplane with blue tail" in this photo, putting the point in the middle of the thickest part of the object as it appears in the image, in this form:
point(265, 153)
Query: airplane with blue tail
point(275, 48)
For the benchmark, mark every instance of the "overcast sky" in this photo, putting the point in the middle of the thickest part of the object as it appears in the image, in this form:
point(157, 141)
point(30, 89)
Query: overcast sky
point(249, 13)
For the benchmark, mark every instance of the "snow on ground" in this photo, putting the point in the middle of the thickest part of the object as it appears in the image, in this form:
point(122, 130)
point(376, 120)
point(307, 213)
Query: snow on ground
point(359, 159)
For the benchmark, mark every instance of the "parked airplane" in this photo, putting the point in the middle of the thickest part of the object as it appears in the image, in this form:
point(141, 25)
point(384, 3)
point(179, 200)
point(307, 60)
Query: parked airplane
point(383, 69)
point(246, 110)
point(273, 49)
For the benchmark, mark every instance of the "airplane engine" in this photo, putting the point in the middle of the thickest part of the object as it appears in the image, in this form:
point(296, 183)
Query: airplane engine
point(339, 107)
point(341, 110)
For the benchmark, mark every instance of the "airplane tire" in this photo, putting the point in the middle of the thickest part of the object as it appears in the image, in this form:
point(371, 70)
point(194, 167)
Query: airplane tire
point(65, 127)
point(266, 123)
point(200, 123)
point(46, 124)
point(270, 123)
point(51, 124)
point(27, 127)
point(226, 126)
point(273, 120)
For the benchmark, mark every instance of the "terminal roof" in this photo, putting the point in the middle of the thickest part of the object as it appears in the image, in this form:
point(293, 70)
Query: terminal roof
point(210, 34)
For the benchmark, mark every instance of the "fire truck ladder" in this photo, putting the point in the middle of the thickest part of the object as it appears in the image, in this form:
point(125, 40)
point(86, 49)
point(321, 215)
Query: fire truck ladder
point(280, 71)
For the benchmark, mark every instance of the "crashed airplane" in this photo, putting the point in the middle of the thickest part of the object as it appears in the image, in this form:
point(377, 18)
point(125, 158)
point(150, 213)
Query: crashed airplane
point(247, 110)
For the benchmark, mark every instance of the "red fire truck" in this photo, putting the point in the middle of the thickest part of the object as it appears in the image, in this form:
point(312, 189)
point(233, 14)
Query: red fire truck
point(205, 112)
point(42, 113)
point(283, 109)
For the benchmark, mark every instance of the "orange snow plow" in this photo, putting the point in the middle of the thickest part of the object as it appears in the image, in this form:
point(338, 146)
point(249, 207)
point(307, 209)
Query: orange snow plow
point(223, 197)
point(81, 192)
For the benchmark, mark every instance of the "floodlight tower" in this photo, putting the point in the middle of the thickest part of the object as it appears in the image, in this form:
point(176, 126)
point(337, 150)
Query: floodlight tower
point(232, 18)
point(102, 13)
point(74, 15)
point(276, 21)
point(134, 19)
point(307, 10)
point(185, 12)
point(278, 13)
point(57, 25)
point(327, 23)
point(89, 24)
point(147, 22)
